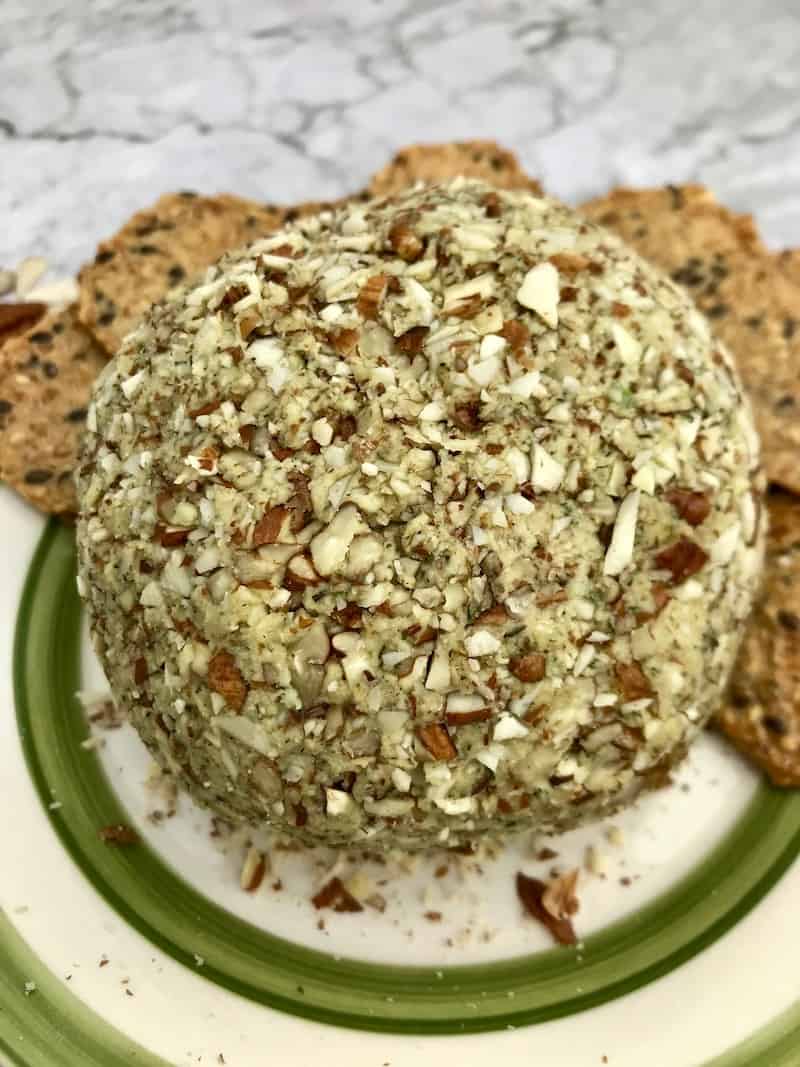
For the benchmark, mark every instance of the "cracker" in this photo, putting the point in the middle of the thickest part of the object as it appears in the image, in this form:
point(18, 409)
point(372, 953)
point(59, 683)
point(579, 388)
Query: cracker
point(180, 235)
point(438, 162)
point(762, 712)
point(751, 297)
point(46, 376)
point(789, 263)
point(16, 317)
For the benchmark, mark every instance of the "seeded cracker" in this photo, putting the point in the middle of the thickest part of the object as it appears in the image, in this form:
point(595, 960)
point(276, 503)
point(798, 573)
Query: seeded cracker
point(751, 297)
point(441, 162)
point(158, 249)
point(438, 517)
point(762, 713)
point(46, 375)
point(15, 318)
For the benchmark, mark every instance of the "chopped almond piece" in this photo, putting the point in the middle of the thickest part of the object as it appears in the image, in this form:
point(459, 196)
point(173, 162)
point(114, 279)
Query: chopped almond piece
point(300, 573)
point(559, 897)
point(247, 323)
point(299, 504)
point(531, 892)
point(253, 870)
point(334, 895)
point(269, 527)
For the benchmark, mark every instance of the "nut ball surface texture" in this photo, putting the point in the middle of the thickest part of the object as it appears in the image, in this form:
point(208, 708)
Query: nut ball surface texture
point(423, 519)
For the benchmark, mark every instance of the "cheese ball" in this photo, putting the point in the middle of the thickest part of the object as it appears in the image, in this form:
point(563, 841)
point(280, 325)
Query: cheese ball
point(421, 520)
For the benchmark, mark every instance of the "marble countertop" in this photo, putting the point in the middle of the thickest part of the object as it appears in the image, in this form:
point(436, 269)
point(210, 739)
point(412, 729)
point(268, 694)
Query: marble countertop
point(105, 104)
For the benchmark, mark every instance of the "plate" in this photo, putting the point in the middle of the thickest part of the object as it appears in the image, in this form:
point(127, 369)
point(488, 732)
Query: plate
point(152, 953)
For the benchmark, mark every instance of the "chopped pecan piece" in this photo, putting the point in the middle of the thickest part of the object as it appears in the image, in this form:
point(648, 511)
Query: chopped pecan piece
point(345, 341)
point(350, 617)
point(371, 295)
point(405, 242)
point(346, 426)
point(661, 597)
point(437, 741)
point(528, 668)
point(692, 506)
point(233, 294)
point(466, 416)
point(118, 834)
point(493, 205)
point(410, 343)
point(682, 559)
point(462, 718)
point(225, 678)
point(517, 334)
point(419, 635)
point(467, 308)
point(204, 409)
point(569, 263)
point(170, 538)
point(496, 615)
point(633, 682)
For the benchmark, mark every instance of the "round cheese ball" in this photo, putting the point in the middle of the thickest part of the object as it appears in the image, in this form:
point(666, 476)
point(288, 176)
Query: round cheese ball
point(424, 519)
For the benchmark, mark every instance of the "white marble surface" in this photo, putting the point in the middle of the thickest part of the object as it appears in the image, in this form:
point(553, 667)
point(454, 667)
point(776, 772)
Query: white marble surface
point(105, 104)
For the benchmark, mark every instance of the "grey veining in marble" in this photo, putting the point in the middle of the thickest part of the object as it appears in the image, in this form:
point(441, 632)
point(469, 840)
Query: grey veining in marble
point(105, 104)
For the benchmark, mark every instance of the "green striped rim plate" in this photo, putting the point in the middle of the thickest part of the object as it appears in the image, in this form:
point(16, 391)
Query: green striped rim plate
point(281, 979)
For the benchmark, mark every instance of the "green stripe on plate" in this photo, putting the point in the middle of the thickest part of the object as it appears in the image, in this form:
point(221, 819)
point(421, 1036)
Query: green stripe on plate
point(775, 1045)
point(51, 1025)
point(270, 970)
